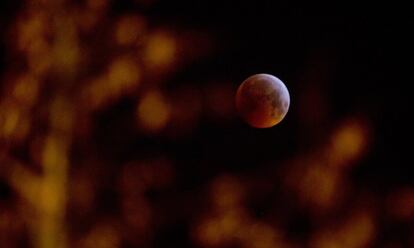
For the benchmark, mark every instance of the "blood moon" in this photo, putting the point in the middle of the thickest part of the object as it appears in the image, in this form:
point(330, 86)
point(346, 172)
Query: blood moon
point(262, 100)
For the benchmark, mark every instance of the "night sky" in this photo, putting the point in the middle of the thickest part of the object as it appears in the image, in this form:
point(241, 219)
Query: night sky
point(346, 66)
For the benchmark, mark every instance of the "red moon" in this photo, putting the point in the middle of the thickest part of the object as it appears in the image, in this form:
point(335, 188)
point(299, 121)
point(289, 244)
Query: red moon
point(262, 100)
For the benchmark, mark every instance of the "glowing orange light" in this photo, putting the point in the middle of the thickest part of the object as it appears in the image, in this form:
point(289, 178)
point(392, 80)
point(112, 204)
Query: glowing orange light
point(357, 231)
point(161, 50)
point(123, 75)
point(348, 142)
point(153, 111)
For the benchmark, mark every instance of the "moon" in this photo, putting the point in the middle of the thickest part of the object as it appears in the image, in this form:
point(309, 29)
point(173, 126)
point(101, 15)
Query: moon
point(262, 100)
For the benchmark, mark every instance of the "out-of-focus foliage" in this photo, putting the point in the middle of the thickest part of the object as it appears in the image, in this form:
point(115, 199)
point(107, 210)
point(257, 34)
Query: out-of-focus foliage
point(107, 142)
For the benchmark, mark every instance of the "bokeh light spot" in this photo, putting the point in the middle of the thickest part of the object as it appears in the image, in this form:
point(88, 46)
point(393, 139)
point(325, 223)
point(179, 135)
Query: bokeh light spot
point(161, 50)
point(349, 142)
point(153, 111)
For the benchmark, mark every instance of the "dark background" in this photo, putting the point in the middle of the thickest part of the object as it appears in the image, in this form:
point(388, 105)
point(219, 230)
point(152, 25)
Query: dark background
point(340, 63)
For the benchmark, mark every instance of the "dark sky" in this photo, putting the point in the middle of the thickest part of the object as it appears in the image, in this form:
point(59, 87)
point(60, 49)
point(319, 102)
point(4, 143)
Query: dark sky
point(355, 58)
point(359, 54)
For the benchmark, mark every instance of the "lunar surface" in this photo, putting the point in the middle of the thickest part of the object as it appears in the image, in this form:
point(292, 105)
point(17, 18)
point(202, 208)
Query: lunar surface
point(262, 100)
